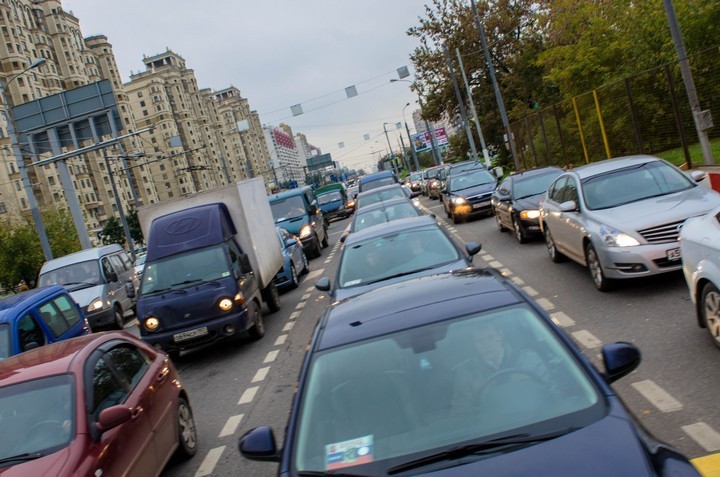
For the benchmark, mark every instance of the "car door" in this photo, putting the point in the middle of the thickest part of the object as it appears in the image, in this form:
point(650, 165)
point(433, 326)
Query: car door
point(128, 449)
point(551, 206)
point(569, 232)
point(28, 333)
point(124, 287)
point(242, 270)
point(503, 207)
point(61, 318)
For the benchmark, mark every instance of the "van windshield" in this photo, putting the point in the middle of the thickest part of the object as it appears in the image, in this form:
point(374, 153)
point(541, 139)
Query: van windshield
point(85, 273)
point(186, 269)
point(289, 208)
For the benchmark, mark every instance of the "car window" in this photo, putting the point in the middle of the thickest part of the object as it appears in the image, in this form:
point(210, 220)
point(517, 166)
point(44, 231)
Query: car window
point(534, 185)
point(117, 264)
point(106, 268)
point(126, 260)
point(570, 191)
point(386, 214)
point(288, 208)
point(130, 362)
point(29, 333)
point(107, 389)
point(68, 309)
point(557, 190)
point(5, 341)
point(54, 320)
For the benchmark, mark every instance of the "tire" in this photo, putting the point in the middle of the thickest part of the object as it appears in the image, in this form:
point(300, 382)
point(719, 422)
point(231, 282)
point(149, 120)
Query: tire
point(316, 250)
point(709, 308)
point(272, 297)
point(447, 212)
point(306, 266)
point(518, 231)
point(325, 239)
point(500, 226)
point(594, 266)
point(174, 355)
point(456, 218)
point(293, 277)
point(555, 256)
point(257, 330)
point(119, 318)
point(187, 431)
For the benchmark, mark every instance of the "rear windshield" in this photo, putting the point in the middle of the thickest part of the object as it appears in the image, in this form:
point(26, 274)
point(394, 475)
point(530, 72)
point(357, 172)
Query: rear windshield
point(379, 182)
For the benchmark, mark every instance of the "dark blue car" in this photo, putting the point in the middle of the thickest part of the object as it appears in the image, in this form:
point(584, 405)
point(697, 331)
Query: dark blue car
point(38, 317)
point(458, 374)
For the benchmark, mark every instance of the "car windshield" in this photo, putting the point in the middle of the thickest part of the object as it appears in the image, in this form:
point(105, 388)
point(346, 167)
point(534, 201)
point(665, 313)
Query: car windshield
point(458, 168)
point(470, 179)
point(385, 214)
point(534, 185)
point(179, 271)
point(36, 416)
point(289, 208)
point(87, 272)
point(415, 177)
point(432, 173)
point(375, 183)
point(140, 260)
point(381, 402)
point(367, 198)
point(5, 341)
point(329, 197)
point(400, 253)
point(633, 184)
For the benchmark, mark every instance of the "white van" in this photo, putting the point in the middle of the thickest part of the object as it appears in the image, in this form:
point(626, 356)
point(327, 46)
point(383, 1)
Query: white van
point(101, 280)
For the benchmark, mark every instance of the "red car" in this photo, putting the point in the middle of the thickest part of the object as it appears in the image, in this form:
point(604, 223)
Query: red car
point(100, 404)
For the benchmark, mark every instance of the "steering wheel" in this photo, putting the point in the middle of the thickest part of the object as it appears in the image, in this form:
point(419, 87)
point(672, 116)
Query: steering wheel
point(506, 372)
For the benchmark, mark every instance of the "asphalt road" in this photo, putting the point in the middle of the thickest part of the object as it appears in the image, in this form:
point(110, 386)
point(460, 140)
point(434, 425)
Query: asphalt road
point(238, 385)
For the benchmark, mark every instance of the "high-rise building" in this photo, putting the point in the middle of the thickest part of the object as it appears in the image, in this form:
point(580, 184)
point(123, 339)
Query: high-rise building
point(287, 165)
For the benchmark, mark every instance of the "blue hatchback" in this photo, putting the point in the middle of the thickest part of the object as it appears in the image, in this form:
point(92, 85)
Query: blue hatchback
point(458, 374)
point(38, 317)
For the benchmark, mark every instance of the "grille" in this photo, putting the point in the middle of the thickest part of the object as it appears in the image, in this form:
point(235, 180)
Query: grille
point(479, 197)
point(665, 233)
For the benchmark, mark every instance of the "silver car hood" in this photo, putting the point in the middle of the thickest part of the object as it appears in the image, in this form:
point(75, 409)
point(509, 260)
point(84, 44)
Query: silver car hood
point(84, 296)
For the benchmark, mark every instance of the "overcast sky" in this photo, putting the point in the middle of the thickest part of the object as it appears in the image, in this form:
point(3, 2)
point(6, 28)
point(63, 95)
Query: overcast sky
point(280, 53)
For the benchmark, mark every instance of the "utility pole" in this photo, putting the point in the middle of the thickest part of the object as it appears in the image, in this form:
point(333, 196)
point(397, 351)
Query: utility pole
point(118, 204)
point(474, 111)
point(392, 156)
point(461, 104)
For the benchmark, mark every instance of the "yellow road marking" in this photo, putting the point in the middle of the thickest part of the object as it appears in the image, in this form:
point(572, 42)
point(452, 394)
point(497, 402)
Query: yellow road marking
point(708, 466)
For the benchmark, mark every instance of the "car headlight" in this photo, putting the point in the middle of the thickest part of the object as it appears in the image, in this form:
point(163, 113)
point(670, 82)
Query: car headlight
point(96, 304)
point(459, 200)
point(151, 323)
point(529, 214)
point(225, 304)
point(305, 231)
point(612, 237)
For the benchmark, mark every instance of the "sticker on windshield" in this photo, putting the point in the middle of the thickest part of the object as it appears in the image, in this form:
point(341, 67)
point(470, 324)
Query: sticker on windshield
point(349, 453)
point(226, 274)
point(352, 282)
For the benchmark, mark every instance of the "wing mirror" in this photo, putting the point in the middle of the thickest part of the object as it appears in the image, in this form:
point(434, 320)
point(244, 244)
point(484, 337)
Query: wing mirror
point(620, 358)
point(259, 444)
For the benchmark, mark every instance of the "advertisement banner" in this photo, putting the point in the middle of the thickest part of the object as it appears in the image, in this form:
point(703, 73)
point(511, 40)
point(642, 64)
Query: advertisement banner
point(421, 141)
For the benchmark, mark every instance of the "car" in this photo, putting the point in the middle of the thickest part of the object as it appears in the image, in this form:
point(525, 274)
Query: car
point(621, 218)
point(380, 194)
point(380, 213)
point(332, 200)
point(297, 211)
point(395, 251)
point(414, 183)
point(377, 179)
point(516, 201)
point(101, 280)
point(429, 176)
point(456, 168)
point(700, 251)
point(295, 263)
point(468, 194)
point(458, 373)
point(139, 264)
point(100, 404)
point(352, 193)
point(37, 317)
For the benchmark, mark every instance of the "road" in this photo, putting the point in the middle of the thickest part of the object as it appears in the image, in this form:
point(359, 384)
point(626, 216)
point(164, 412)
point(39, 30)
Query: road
point(238, 385)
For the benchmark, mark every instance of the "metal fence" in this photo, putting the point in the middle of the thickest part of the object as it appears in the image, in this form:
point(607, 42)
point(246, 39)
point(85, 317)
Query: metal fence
point(644, 113)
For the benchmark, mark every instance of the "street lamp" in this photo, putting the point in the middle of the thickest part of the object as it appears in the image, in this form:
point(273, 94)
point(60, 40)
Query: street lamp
point(15, 144)
point(412, 146)
point(431, 132)
point(392, 156)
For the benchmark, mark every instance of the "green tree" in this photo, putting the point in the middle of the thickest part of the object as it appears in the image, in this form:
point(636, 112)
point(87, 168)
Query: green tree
point(112, 232)
point(134, 225)
point(61, 232)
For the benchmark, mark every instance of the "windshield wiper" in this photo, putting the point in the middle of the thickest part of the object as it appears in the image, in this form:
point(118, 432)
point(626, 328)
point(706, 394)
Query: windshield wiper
point(186, 282)
point(165, 290)
point(313, 473)
point(22, 457)
point(462, 451)
point(402, 274)
point(529, 195)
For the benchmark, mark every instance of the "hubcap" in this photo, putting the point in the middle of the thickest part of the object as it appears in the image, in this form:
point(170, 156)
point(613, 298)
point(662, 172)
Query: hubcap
point(550, 244)
point(294, 274)
point(187, 426)
point(594, 266)
point(711, 309)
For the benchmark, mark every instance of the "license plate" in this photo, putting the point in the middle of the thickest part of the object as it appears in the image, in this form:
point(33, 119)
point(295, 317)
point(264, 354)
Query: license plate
point(186, 335)
point(481, 204)
point(673, 254)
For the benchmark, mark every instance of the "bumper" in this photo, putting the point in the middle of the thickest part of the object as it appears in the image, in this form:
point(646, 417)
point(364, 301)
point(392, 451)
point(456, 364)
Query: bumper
point(217, 329)
point(469, 209)
point(531, 226)
point(639, 261)
point(283, 278)
point(100, 318)
point(310, 243)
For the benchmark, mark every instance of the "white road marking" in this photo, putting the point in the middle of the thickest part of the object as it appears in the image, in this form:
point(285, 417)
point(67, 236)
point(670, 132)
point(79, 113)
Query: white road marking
point(587, 339)
point(289, 326)
point(305, 296)
point(530, 291)
point(209, 462)
point(546, 304)
point(657, 396)
point(506, 272)
point(328, 260)
point(261, 374)
point(300, 305)
point(561, 319)
point(248, 395)
point(310, 289)
point(315, 273)
point(294, 315)
point(271, 356)
point(488, 257)
point(518, 281)
point(231, 425)
point(281, 340)
point(704, 435)
point(495, 264)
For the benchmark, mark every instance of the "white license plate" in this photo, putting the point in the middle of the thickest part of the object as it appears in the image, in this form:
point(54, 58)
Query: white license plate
point(673, 254)
point(186, 335)
point(481, 204)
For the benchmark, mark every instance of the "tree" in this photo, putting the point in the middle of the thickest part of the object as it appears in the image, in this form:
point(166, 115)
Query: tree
point(134, 225)
point(112, 232)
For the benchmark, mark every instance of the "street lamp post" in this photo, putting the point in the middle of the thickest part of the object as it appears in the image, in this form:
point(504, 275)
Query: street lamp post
point(392, 156)
point(15, 144)
point(431, 132)
point(412, 146)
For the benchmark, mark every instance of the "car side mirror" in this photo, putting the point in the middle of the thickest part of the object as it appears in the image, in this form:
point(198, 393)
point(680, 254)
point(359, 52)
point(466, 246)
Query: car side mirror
point(569, 206)
point(620, 358)
point(342, 238)
point(323, 284)
point(697, 176)
point(472, 248)
point(498, 171)
point(112, 417)
point(259, 444)
point(130, 289)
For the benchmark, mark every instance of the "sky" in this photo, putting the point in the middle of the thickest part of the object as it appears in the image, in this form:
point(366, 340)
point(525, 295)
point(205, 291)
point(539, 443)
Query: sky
point(281, 53)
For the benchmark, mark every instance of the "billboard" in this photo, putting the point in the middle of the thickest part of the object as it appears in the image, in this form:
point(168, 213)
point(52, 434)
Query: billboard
point(319, 162)
point(421, 141)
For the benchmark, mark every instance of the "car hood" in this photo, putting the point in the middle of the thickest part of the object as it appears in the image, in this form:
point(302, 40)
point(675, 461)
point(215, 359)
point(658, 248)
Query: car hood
point(659, 210)
point(84, 296)
point(528, 203)
point(293, 225)
point(479, 189)
point(51, 464)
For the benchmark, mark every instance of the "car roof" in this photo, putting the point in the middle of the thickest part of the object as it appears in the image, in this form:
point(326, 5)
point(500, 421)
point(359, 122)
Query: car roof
point(609, 165)
point(388, 228)
point(383, 204)
point(375, 175)
point(10, 305)
point(289, 193)
point(81, 256)
point(412, 303)
point(535, 172)
point(381, 188)
point(54, 358)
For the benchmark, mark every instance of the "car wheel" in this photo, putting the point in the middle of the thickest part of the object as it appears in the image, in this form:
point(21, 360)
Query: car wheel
point(257, 330)
point(555, 256)
point(272, 297)
point(316, 250)
point(456, 218)
point(187, 432)
point(447, 211)
point(325, 239)
point(519, 233)
point(119, 318)
point(595, 267)
point(710, 311)
point(293, 277)
point(500, 226)
point(306, 266)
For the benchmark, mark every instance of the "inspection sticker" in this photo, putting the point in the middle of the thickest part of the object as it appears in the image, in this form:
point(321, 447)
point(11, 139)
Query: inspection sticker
point(348, 453)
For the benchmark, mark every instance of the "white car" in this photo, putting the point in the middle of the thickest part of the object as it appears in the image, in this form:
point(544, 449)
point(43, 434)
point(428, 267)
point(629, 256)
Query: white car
point(700, 249)
point(139, 264)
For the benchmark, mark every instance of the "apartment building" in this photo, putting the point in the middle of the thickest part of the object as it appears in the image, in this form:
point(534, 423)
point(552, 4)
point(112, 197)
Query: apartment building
point(287, 165)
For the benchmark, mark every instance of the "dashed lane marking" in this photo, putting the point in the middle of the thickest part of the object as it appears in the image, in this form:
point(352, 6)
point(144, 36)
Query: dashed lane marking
point(561, 319)
point(546, 304)
point(231, 425)
point(506, 272)
point(315, 273)
point(328, 260)
point(587, 339)
point(488, 257)
point(495, 264)
point(260, 375)
point(248, 395)
point(281, 340)
point(294, 315)
point(310, 289)
point(305, 296)
point(530, 291)
point(288, 326)
point(209, 462)
point(657, 396)
point(271, 356)
point(708, 438)
point(300, 305)
point(518, 281)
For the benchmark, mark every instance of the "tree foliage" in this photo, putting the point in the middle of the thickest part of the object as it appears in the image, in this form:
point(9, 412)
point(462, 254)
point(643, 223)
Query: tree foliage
point(112, 232)
point(134, 225)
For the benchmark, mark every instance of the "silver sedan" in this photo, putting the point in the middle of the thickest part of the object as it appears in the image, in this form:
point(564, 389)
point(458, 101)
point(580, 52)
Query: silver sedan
point(621, 217)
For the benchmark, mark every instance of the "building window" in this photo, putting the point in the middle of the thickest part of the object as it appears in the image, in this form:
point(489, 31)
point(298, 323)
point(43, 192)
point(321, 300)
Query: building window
point(3, 209)
point(142, 104)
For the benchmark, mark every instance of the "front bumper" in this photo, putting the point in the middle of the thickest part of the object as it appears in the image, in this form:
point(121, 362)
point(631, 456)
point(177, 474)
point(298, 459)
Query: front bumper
point(309, 243)
point(639, 261)
point(473, 208)
point(100, 318)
